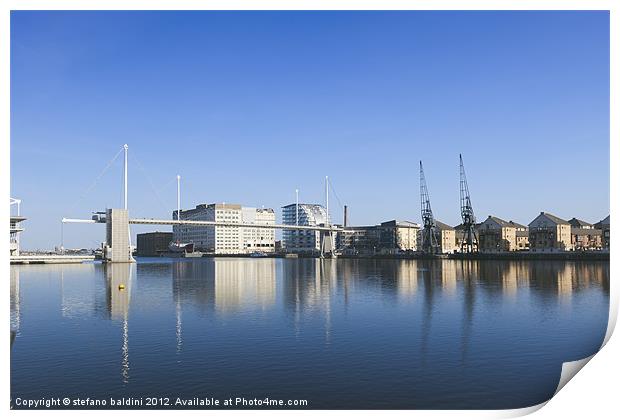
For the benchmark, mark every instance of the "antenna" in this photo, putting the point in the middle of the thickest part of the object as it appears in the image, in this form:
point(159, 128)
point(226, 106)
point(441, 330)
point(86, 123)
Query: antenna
point(429, 234)
point(470, 241)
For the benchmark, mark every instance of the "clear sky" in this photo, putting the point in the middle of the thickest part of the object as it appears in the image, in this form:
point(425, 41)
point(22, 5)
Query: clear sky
point(248, 106)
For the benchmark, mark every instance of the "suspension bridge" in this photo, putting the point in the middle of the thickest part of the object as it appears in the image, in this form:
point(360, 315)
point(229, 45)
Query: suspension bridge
point(117, 246)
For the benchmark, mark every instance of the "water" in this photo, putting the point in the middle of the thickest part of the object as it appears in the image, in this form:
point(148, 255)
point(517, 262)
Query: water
point(340, 334)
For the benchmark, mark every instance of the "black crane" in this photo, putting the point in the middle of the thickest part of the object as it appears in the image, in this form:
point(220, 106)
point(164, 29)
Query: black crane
point(470, 240)
point(429, 233)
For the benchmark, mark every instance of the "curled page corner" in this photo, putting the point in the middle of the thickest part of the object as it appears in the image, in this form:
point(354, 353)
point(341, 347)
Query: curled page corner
point(520, 412)
point(570, 369)
point(613, 317)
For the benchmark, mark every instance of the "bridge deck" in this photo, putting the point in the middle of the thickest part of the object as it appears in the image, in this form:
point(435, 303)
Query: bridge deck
point(50, 259)
point(229, 224)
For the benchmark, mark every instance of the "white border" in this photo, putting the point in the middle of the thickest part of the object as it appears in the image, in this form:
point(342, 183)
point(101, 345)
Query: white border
point(595, 391)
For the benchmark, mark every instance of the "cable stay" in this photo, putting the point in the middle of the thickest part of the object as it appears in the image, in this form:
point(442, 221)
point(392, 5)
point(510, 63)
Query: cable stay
point(97, 179)
point(151, 184)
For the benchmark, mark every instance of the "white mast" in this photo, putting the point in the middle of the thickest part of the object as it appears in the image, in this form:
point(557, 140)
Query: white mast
point(296, 207)
point(125, 175)
point(178, 197)
point(125, 203)
point(327, 197)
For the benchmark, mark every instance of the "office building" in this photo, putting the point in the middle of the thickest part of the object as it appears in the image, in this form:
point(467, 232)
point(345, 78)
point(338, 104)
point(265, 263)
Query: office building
point(303, 241)
point(354, 240)
point(227, 239)
point(258, 239)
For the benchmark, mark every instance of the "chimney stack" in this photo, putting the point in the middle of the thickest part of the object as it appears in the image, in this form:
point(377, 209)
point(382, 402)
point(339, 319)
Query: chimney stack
point(346, 216)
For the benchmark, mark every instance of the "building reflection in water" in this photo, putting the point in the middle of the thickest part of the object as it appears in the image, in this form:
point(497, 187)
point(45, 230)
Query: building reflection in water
point(118, 296)
point(308, 284)
point(15, 303)
point(429, 271)
point(468, 272)
point(225, 284)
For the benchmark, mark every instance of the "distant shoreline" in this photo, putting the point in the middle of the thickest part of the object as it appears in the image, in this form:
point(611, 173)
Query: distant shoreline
point(513, 256)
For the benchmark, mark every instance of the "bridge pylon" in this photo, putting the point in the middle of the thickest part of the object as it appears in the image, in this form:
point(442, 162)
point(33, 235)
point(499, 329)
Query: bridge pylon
point(328, 244)
point(117, 248)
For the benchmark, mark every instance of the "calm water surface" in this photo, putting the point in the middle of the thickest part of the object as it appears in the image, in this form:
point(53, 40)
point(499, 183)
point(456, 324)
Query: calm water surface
point(341, 334)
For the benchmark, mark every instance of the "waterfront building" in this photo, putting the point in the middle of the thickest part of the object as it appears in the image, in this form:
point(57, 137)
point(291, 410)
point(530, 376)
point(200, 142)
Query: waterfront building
point(603, 225)
point(355, 240)
point(15, 228)
point(303, 241)
point(446, 238)
point(153, 244)
point(226, 239)
point(522, 236)
point(584, 236)
point(549, 233)
point(460, 234)
point(496, 235)
point(258, 239)
point(578, 223)
point(398, 236)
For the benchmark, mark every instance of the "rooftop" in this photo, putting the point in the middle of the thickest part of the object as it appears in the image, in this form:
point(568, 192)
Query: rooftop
point(400, 223)
point(574, 222)
point(517, 225)
point(499, 221)
point(555, 219)
point(442, 226)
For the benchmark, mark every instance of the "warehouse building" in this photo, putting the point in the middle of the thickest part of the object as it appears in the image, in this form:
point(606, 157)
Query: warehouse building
point(153, 244)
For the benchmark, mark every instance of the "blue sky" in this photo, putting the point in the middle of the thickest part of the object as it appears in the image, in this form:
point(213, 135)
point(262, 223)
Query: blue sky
point(248, 106)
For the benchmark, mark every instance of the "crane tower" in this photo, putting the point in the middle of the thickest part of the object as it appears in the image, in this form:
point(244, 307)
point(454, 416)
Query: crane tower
point(470, 240)
point(429, 233)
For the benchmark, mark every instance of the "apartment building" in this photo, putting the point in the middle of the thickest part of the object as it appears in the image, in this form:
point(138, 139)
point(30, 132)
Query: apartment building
point(496, 235)
point(549, 233)
point(397, 236)
point(584, 236)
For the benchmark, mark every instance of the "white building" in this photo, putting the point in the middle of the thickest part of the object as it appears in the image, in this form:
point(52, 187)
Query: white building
point(15, 228)
point(227, 239)
point(258, 239)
